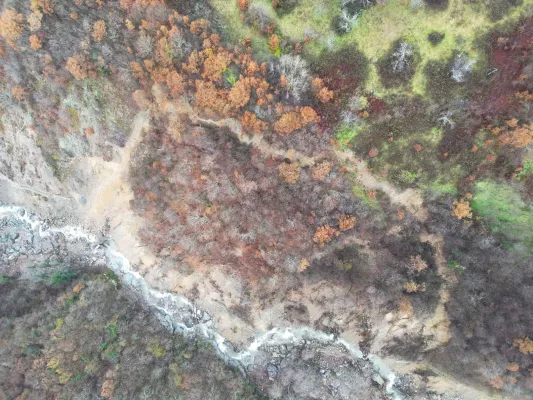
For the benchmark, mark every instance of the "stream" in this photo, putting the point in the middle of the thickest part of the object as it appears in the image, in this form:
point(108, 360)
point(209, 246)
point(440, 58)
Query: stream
point(181, 316)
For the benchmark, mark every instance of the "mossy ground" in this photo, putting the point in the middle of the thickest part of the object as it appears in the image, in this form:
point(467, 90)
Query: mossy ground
point(500, 207)
point(378, 27)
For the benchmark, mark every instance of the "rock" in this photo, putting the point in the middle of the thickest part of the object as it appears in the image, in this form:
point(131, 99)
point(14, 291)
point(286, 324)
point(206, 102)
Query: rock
point(378, 380)
point(272, 371)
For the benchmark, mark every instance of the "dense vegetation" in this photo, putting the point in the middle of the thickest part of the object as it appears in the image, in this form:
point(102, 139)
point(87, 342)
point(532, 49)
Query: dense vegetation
point(86, 337)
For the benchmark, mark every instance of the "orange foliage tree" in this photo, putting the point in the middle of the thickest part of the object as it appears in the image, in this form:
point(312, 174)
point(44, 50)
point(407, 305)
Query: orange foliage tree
point(321, 92)
point(243, 4)
point(77, 66)
point(175, 83)
point(519, 138)
point(99, 30)
point(346, 222)
point(321, 170)
point(239, 95)
point(325, 234)
point(11, 24)
point(250, 123)
point(291, 121)
point(289, 172)
point(35, 42)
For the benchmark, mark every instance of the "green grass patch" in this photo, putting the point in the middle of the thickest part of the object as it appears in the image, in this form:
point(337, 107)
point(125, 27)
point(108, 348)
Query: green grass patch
point(346, 134)
point(527, 170)
point(458, 27)
point(360, 193)
point(59, 278)
point(500, 207)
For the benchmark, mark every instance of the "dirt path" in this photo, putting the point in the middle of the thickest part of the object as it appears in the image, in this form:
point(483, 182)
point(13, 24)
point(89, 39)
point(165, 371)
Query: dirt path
point(109, 200)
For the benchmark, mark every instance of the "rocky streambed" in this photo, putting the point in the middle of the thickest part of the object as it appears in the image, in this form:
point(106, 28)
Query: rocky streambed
point(292, 361)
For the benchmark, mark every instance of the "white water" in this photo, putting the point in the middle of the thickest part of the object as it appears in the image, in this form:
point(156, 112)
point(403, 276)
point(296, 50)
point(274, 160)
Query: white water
point(179, 315)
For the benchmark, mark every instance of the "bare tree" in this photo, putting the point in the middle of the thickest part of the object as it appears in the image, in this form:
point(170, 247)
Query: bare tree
point(144, 45)
point(462, 66)
point(402, 57)
point(296, 70)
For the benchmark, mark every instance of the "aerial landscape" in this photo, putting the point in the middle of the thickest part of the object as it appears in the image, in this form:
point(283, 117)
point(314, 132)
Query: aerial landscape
point(266, 199)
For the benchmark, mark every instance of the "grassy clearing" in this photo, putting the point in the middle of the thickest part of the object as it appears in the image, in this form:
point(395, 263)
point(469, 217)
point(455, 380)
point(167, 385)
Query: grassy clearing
point(501, 208)
point(377, 29)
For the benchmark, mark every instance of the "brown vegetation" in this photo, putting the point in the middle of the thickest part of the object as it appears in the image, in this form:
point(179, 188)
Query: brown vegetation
point(292, 121)
point(289, 172)
point(273, 42)
point(524, 344)
point(519, 137)
point(11, 24)
point(346, 222)
point(77, 66)
point(461, 209)
point(321, 170)
point(243, 4)
point(99, 30)
point(35, 42)
point(325, 234)
point(239, 95)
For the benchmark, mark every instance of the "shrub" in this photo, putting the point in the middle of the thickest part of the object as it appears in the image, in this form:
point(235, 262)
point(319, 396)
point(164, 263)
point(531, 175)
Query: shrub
point(258, 15)
point(284, 6)
point(437, 4)
point(59, 278)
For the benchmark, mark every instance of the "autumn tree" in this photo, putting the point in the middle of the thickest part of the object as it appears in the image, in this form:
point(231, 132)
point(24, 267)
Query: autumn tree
point(273, 42)
point(239, 95)
point(525, 345)
point(209, 97)
point(35, 42)
point(322, 93)
point(519, 137)
point(461, 209)
point(99, 30)
point(175, 83)
point(46, 6)
point(325, 234)
point(289, 172)
point(292, 121)
point(215, 64)
point(346, 222)
point(321, 170)
point(11, 24)
point(77, 66)
point(243, 4)
point(250, 123)
point(34, 20)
